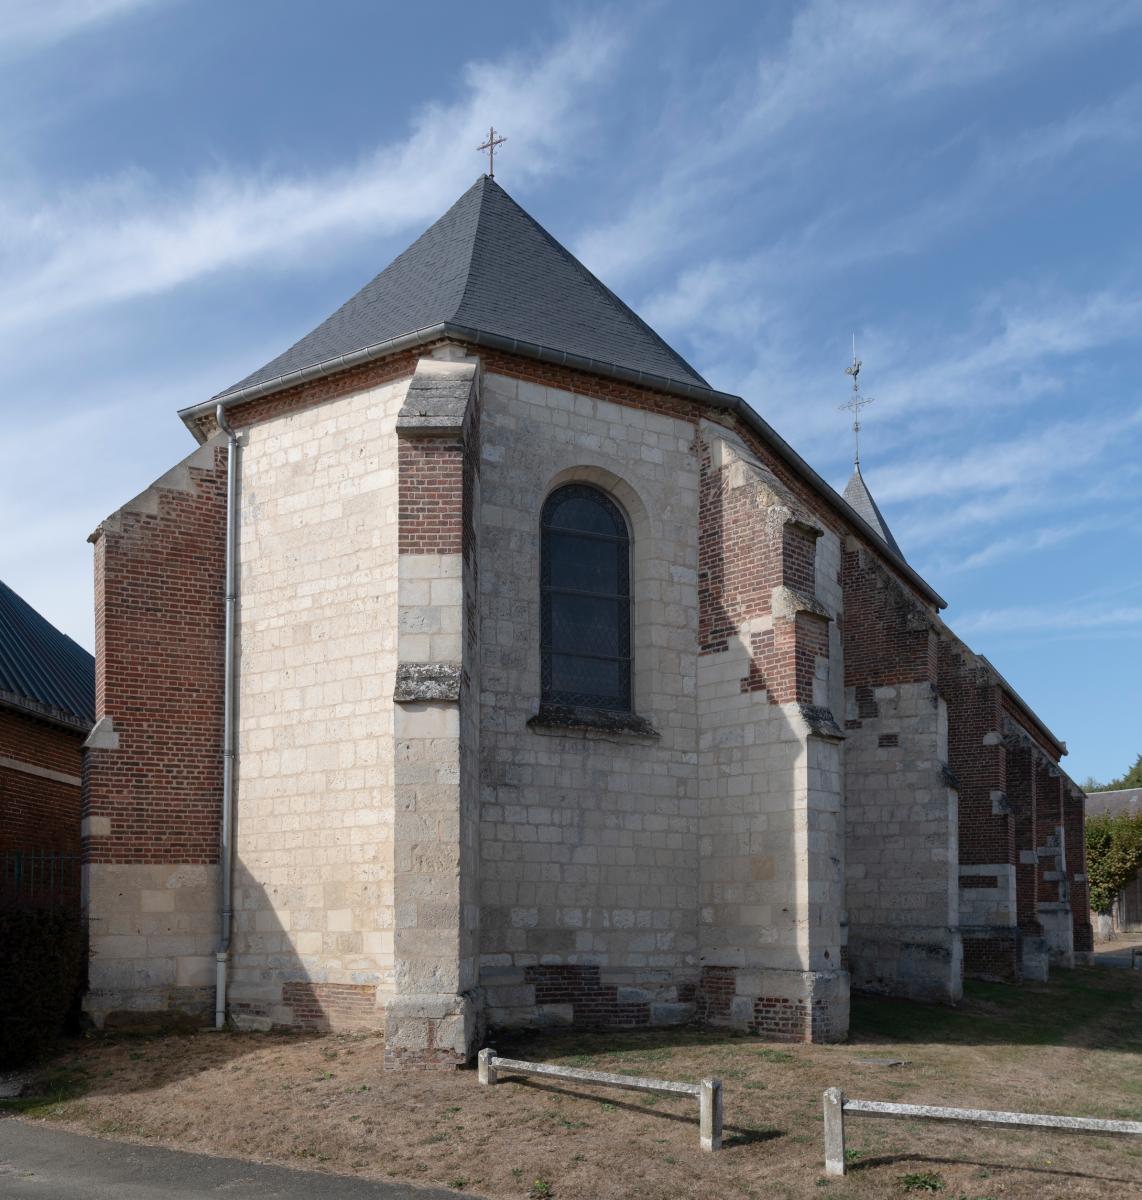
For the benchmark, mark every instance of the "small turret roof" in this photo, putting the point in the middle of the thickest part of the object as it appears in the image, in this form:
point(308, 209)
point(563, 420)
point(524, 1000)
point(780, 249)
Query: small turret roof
point(860, 498)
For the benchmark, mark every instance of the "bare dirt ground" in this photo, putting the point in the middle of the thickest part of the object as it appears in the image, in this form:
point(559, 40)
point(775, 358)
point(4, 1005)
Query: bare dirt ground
point(1072, 1046)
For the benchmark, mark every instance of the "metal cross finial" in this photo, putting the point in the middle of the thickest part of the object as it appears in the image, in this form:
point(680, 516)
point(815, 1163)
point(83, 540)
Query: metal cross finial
point(490, 145)
point(855, 403)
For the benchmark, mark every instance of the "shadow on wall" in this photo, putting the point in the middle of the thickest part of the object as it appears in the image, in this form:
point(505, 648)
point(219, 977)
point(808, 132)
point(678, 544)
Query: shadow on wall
point(317, 974)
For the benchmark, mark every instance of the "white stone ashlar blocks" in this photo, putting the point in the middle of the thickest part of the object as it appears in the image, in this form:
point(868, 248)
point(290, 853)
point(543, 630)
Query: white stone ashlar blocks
point(902, 837)
point(434, 1017)
point(157, 929)
point(588, 839)
point(317, 638)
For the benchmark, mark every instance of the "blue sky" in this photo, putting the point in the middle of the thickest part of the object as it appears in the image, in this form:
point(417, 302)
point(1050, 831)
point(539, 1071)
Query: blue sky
point(187, 187)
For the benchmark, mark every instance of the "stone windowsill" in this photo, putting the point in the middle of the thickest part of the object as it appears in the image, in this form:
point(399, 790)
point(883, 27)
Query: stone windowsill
point(592, 722)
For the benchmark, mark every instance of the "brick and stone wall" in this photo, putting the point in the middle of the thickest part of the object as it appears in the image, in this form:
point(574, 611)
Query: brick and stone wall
point(901, 801)
point(1078, 886)
point(771, 835)
point(418, 848)
point(977, 757)
point(152, 778)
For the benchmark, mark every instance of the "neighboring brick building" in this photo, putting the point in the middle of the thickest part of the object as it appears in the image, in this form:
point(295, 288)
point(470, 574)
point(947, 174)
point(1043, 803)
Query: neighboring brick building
point(566, 693)
point(47, 704)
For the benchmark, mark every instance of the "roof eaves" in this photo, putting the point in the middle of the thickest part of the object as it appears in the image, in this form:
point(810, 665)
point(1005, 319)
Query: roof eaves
point(44, 712)
point(1026, 708)
point(674, 387)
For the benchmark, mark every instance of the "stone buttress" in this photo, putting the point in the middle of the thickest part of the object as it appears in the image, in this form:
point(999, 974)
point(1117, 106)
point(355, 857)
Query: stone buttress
point(771, 814)
point(901, 803)
point(432, 1017)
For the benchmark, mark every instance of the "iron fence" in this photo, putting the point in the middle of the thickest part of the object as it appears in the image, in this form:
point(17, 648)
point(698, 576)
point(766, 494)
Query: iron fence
point(39, 878)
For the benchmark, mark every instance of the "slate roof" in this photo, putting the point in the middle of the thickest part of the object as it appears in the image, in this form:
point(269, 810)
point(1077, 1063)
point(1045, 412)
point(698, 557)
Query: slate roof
point(860, 498)
point(486, 265)
point(1125, 800)
point(41, 669)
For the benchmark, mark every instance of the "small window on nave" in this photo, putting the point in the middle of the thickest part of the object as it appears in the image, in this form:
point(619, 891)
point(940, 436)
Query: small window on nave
point(585, 601)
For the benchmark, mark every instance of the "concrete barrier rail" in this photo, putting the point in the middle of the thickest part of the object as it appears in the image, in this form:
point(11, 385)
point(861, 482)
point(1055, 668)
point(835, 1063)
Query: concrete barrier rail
point(838, 1106)
point(708, 1092)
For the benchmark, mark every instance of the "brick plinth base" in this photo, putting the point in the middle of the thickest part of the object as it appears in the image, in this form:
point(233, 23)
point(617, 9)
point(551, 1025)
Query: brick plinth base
point(993, 955)
point(592, 1002)
point(323, 1006)
point(408, 1059)
point(813, 1008)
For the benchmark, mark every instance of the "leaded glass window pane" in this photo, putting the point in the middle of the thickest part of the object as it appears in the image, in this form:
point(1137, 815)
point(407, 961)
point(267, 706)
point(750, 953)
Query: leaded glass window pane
point(585, 584)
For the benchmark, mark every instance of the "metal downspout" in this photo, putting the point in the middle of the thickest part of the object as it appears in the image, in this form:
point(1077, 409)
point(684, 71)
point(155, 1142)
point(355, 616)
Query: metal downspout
point(226, 847)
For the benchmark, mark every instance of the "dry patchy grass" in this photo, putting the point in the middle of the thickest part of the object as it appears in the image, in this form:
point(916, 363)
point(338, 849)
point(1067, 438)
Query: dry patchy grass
point(323, 1102)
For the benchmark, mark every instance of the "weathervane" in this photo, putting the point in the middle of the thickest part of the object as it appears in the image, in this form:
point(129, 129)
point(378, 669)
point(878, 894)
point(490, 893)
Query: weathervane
point(855, 403)
point(490, 145)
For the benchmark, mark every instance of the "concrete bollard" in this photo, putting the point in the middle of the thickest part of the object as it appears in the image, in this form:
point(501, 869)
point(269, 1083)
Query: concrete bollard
point(484, 1066)
point(834, 1101)
point(710, 1114)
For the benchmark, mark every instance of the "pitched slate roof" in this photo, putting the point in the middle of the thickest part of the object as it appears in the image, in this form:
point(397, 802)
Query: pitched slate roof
point(860, 498)
point(487, 266)
point(1125, 800)
point(41, 669)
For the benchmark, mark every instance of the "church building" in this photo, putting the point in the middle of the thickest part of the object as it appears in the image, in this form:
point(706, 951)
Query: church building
point(486, 667)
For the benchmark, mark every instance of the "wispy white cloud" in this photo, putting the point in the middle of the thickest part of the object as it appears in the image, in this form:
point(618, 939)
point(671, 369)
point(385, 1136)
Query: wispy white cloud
point(1023, 461)
point(1054, 618)
point(133, 236)
point(35, 24)
point(959, 522)
point(838, 64)
point(1028, 542)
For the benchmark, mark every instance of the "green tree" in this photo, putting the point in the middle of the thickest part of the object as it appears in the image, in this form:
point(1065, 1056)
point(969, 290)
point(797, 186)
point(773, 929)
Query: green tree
point(1113, 855)
point(1132, 779)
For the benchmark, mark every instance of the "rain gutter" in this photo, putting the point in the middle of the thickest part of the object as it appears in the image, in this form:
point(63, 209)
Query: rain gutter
point(226, 839)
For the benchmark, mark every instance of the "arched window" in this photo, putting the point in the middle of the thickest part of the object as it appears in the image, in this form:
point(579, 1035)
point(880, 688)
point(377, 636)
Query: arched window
point(585, 601)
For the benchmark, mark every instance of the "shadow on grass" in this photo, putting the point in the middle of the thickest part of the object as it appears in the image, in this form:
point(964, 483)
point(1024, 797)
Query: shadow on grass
point(1095, 1008)
point(152, 1060)
point(732, 1135)
point(1089, 1007)
point(891, 1160)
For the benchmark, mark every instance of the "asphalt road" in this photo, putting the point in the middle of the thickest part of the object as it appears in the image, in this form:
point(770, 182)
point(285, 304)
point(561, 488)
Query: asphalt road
point(38, 1162)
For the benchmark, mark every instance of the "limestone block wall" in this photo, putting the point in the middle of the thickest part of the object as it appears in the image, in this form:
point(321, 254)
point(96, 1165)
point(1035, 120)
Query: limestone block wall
point(901, 802)
point(902, 854)
point(589, 839)
point(152, 779)
point(314, 924)
point(771, 836)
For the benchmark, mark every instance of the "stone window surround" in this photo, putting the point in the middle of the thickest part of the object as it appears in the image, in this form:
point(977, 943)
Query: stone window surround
point(581, 722)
